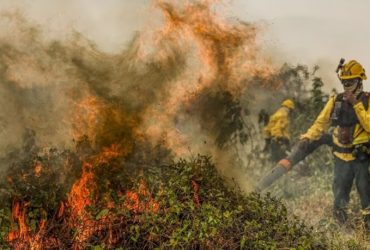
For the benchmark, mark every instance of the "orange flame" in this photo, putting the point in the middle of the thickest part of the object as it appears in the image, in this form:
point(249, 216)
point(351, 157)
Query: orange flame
point(22, 236)
point(108, 154)
point(18, 215)
point(86, 117)
point(80, 195)
point(61, 210)
point(38, 169)
point(223, 54)
point(141, 201)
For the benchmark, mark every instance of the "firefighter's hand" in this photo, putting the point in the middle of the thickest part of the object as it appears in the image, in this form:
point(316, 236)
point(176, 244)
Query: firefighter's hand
point(348, 96)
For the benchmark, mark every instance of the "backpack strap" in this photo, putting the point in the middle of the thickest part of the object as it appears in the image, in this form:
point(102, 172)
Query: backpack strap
point(365, 100)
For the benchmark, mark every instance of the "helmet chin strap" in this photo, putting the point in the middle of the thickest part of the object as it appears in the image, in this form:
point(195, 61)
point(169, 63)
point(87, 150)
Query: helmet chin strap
point(359, 89)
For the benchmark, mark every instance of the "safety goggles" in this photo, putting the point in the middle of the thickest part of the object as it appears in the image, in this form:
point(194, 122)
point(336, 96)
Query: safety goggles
point(350, 82)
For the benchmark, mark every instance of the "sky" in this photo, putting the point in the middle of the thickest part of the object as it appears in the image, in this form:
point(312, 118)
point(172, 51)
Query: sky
point(296, 31)
point(314, 31)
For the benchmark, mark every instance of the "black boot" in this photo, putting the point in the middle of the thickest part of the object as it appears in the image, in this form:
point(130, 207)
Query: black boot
point(340, 216)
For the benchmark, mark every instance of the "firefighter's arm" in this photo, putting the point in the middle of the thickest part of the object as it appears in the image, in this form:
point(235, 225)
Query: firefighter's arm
point(322, 122)
point(363, 115)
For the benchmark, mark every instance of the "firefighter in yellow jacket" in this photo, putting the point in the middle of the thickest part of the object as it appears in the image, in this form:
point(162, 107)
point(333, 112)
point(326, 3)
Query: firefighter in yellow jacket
point(349, 114)
point(277, 134)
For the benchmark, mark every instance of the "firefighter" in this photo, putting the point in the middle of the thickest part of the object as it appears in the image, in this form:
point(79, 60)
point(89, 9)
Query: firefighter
point(277, 134)
point(349, 114)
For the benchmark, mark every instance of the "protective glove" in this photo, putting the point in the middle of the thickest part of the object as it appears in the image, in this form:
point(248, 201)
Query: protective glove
point(349, 97)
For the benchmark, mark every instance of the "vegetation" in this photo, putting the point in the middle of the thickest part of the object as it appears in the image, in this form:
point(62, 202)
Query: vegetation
point(182, 205)
point(101, 199)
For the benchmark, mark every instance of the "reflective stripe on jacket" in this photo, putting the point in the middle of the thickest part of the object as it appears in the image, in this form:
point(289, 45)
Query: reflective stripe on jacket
point(322, 123)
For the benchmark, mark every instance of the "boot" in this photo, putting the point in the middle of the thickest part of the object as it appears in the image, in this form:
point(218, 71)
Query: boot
point(340, 215)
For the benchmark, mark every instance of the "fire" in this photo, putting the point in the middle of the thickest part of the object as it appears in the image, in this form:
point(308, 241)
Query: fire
point(18, 215)
point(223, 55)
point(219, 54)
point(22, 236)
point(141, 201)
point(61, 210)
point(86, 117)
point(108, 154)
point(38, 169)
point(80, 195)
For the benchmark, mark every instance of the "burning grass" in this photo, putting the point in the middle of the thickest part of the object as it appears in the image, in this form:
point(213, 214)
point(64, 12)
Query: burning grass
point(185, 204)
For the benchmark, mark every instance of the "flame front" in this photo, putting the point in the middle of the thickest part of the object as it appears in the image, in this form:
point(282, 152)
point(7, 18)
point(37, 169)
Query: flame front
point(22, 236)
point(81, 193)
point(125, 105)
point(140, 201)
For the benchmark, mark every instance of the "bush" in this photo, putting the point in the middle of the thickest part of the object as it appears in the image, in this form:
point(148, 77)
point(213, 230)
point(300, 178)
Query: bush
point(182, 205)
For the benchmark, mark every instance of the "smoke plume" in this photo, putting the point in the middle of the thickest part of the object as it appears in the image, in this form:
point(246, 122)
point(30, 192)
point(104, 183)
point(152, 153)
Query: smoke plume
point(167, 87)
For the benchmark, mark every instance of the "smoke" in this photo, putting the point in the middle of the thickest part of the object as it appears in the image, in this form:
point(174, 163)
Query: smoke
point(327, 73)
point(111, 25)
point(168, 87)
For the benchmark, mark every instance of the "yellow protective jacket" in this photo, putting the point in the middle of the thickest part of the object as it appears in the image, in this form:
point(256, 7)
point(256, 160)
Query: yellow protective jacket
point(278, 125)
point(361, 133)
